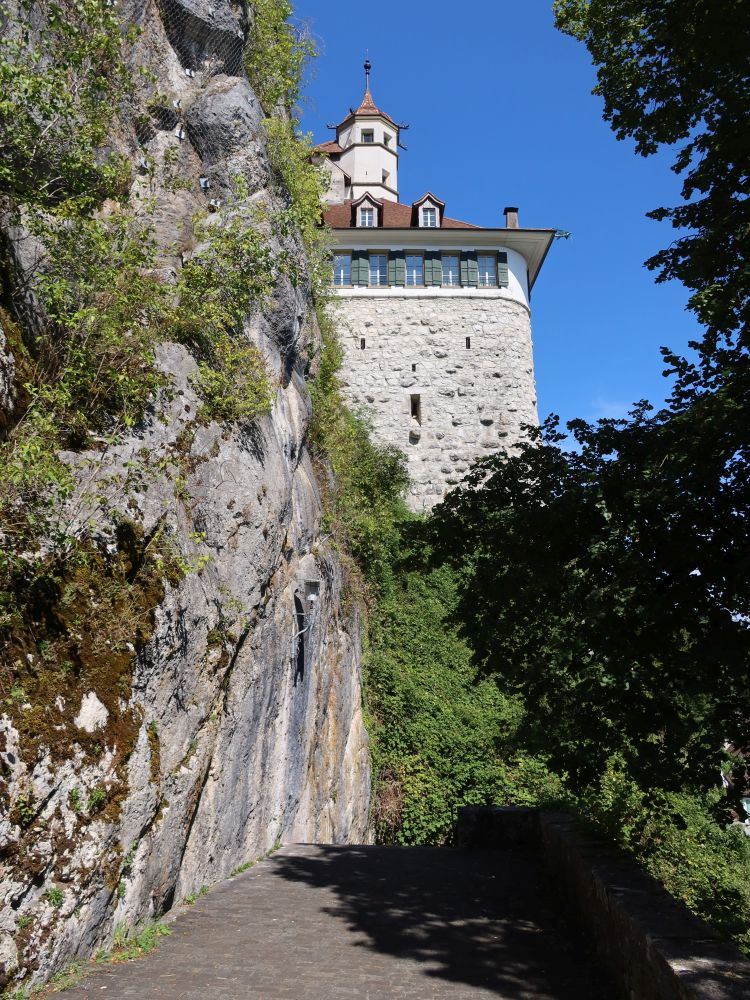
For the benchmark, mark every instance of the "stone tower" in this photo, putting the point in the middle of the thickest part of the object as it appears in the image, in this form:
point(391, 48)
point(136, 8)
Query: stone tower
point(434, 313)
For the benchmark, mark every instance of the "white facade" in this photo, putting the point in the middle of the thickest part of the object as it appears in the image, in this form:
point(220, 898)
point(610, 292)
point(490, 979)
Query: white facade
point(372, 166)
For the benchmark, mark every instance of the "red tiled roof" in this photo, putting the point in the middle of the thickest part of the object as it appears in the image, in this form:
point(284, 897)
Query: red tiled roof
point(368, 107)
point(328, 147)
point(395, 215)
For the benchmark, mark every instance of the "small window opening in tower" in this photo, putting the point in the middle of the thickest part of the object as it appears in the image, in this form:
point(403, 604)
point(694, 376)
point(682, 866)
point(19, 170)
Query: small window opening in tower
point(368, 135)
point(468, 343)
point(386, 139)
point(386, 175)
point(414, 368)
point(362, 344)
point(416, 408)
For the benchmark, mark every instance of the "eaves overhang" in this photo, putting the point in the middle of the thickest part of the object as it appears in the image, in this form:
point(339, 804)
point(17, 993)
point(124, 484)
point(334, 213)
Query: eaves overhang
point(532, 244)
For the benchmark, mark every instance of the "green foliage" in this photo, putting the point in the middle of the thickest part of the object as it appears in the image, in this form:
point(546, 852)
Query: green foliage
point(441, 737)
point(25, 809)
point(103, 313)
point(276, 55)
point(97, 799)
point(230, 275)
point(669, 76)
point(605, 584)
point(133, 942)
point(74, 800)
point(676, 837)
point(305, 183)
point(61, 71)
point(189, 900)
point(54, 897)
point(236, 385)
point(364, 499)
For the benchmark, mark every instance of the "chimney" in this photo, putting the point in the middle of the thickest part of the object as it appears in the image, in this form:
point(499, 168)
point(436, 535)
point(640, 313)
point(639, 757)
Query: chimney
point(511, 218)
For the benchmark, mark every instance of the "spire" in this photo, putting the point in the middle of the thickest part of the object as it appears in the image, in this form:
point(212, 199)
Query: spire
point(368, 106)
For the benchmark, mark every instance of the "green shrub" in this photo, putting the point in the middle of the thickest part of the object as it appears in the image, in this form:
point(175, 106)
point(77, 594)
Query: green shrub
point(59, 86)
point(236, 386)
point(54, 897)
point(276, 55)
point(441, 736)
point(676, 837)
point(305, 183)
point(97, 799)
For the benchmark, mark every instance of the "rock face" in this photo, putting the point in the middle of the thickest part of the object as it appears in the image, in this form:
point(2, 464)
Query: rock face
point(446, 380)
point(244, 706)
point(7, 373)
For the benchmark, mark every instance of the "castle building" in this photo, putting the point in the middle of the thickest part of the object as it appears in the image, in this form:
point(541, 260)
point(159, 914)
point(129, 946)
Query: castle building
point(433, 313)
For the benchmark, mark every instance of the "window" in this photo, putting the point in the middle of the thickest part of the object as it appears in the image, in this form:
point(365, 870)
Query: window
point(414, 269)
point(342, 269)
point(429, 217)
point(413, 368)
point(362, 343)
point(378, 269)
point(468, 343)
point(386, 139)
point(367, 217)
point(386, 175)
point(415, 406)
point(487, 266)
point(368, 135)
point(450, 269)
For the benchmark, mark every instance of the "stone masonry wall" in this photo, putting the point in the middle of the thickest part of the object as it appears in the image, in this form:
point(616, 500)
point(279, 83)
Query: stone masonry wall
point(472, 400)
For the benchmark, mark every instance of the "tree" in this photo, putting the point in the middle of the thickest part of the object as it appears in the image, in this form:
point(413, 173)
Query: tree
point(608, 584)
point(677, 72)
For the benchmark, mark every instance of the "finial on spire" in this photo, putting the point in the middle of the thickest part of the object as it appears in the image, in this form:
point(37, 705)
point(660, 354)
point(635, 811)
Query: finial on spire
point(368, 67)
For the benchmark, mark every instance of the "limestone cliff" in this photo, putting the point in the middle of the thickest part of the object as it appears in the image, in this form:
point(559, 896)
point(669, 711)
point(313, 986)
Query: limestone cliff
point(226, 716)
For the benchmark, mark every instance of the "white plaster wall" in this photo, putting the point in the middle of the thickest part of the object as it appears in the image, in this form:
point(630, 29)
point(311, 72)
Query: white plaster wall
point(518, 284)
point(336, 192)
point(473, 400)
point(365, 165)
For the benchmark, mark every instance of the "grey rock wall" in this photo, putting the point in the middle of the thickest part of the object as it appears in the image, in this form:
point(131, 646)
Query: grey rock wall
point(473, 400)
point(7, 380)
point(243, 733)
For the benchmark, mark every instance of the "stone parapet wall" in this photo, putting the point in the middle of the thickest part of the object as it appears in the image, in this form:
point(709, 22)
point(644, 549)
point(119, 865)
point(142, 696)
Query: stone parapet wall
point(654, 947)
point(472, 400)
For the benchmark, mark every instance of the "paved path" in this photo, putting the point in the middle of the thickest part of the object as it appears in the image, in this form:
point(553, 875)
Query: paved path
point(368, 923)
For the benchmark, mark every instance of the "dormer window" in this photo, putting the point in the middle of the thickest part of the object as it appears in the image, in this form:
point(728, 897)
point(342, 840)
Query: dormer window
point(367, 217)
point(429, 217)
point(368, 135)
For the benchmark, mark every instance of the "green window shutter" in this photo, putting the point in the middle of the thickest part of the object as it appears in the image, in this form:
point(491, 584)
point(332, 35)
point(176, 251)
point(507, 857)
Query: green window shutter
point(392, 268)
point(469, 268)
point(502, 269)
point(360, 267)
point(397, 268)
point(433, 268)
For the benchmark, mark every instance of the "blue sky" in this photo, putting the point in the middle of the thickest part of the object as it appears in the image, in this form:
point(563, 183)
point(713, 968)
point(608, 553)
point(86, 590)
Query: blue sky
point(501, 113)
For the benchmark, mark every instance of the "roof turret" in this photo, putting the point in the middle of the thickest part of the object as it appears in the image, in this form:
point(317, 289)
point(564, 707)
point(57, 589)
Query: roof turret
point(367, 107)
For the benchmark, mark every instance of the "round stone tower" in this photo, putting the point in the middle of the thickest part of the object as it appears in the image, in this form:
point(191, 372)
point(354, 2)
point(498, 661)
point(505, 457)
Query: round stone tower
point(433, 313)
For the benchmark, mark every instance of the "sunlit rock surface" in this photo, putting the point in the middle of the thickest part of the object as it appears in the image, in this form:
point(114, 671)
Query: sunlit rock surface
point(234, 732)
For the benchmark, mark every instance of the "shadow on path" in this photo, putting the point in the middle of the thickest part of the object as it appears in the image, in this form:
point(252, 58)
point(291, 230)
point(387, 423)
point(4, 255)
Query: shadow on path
point(485, 919)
